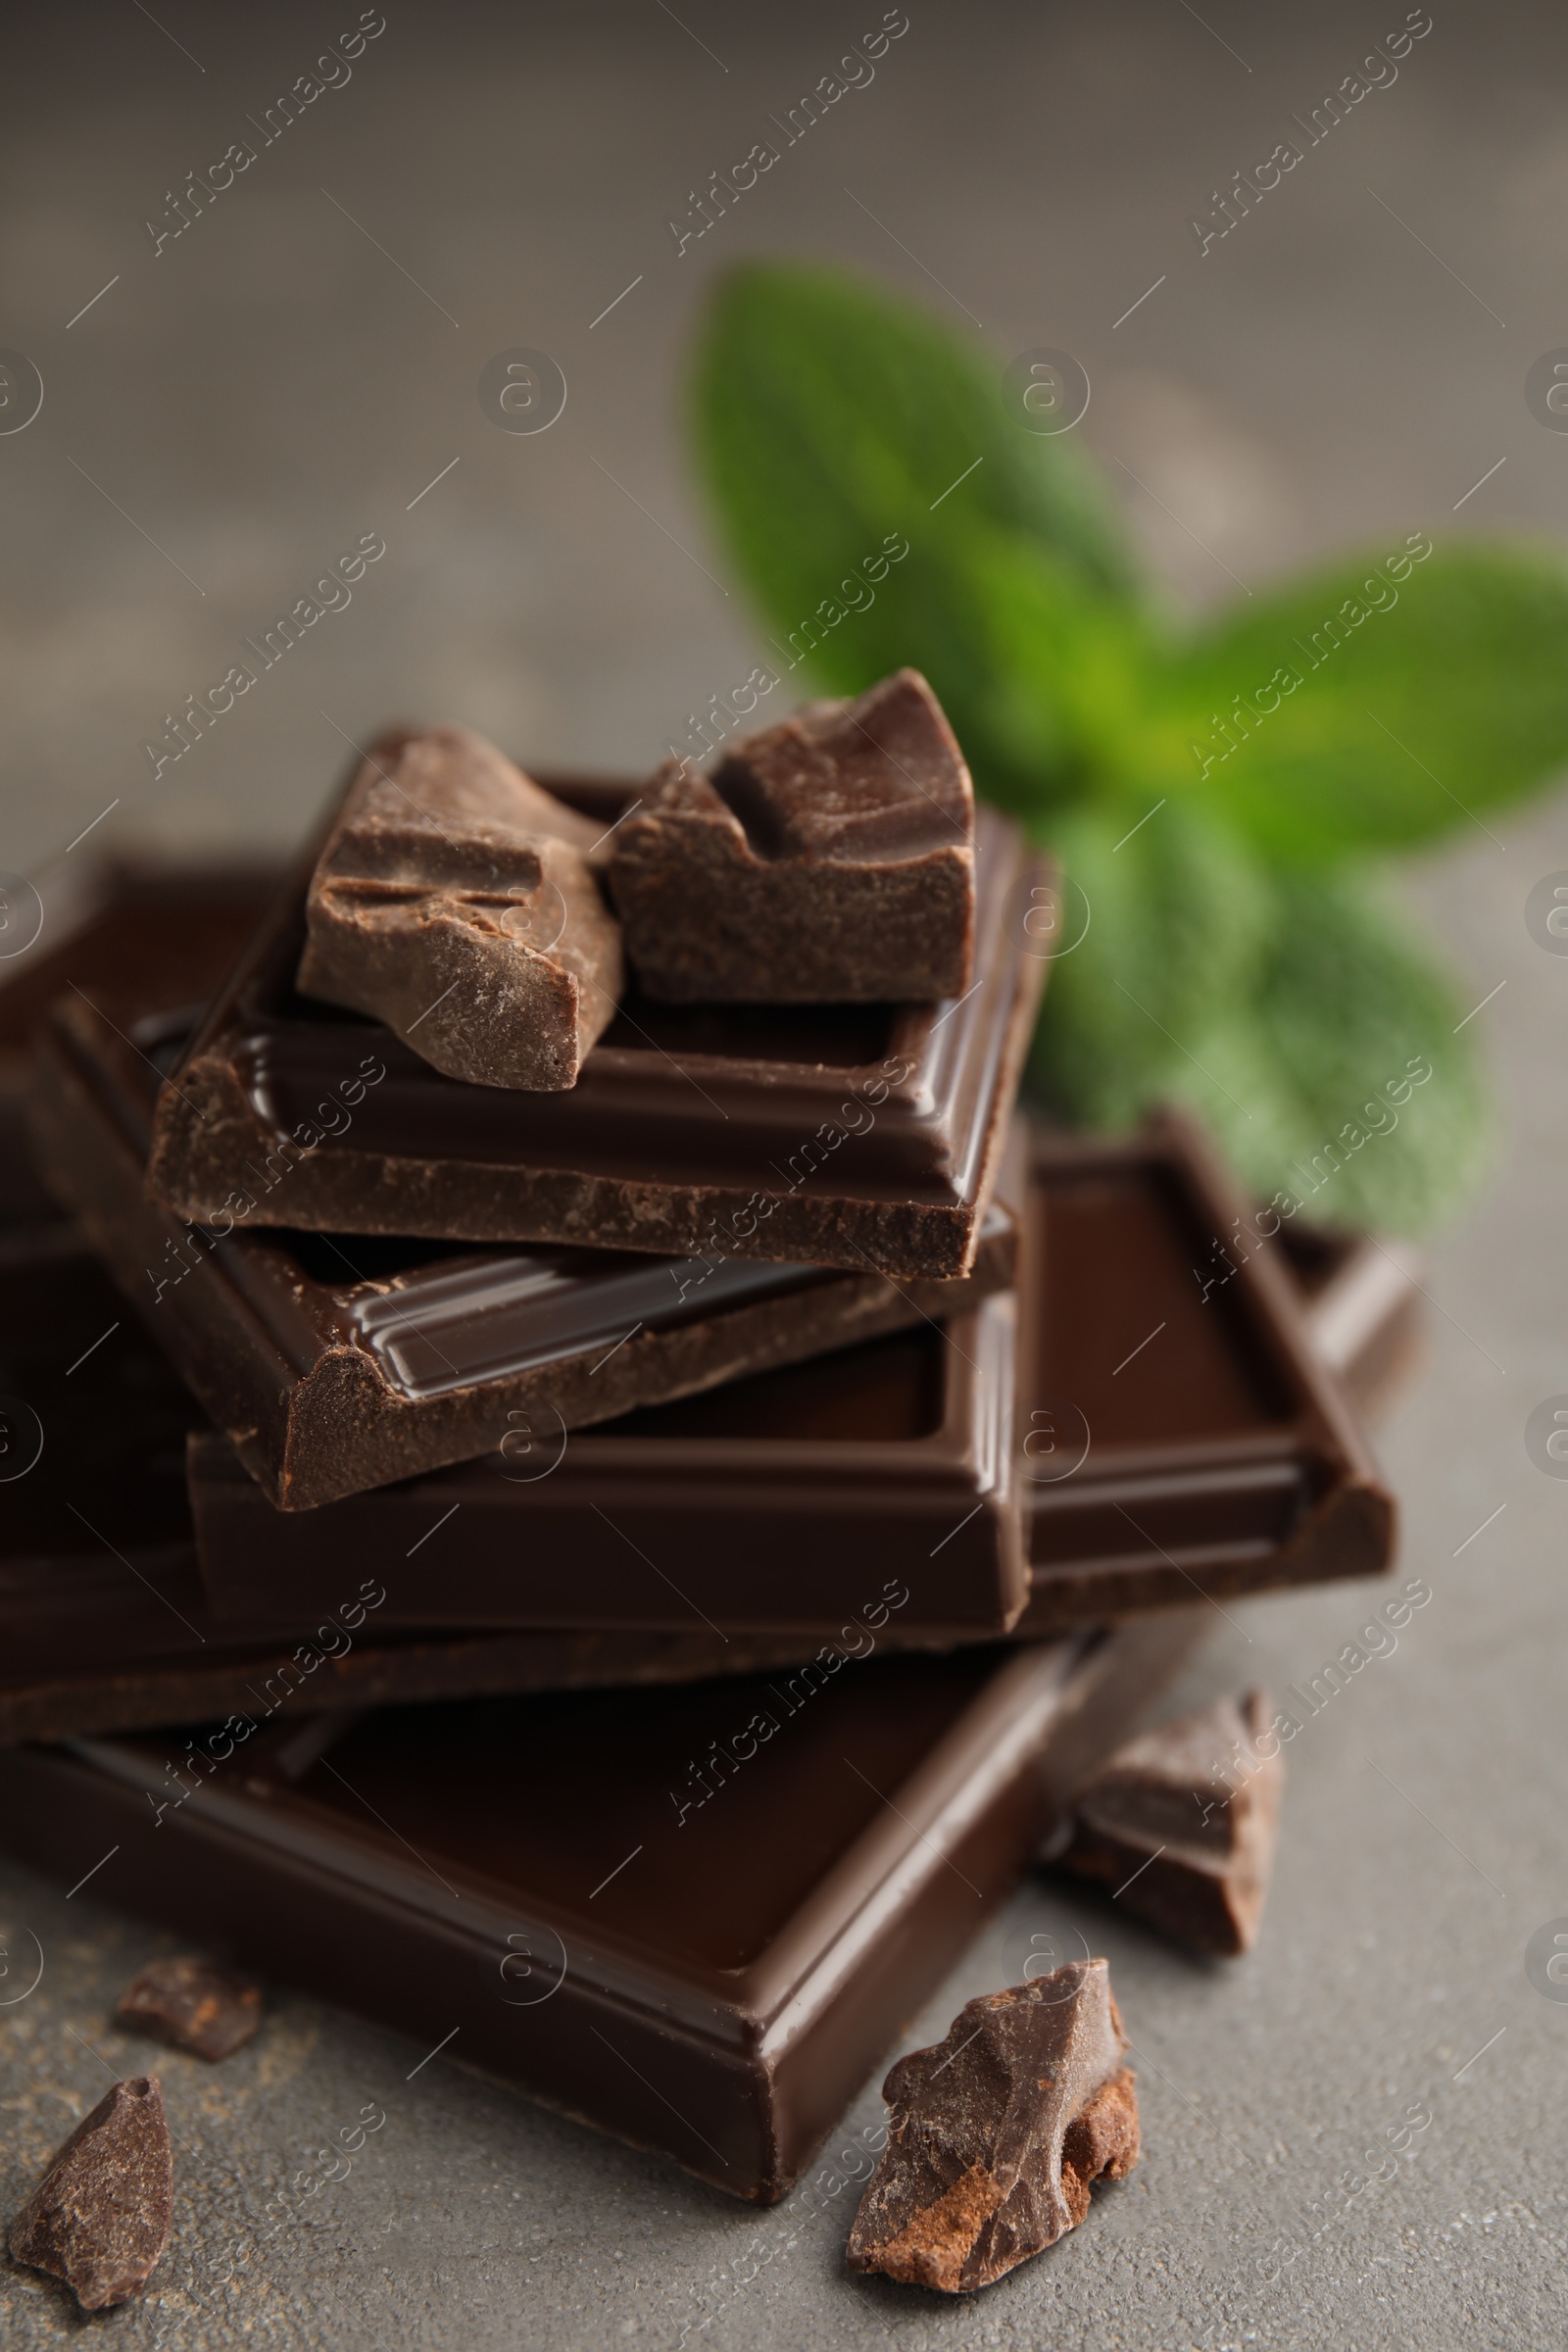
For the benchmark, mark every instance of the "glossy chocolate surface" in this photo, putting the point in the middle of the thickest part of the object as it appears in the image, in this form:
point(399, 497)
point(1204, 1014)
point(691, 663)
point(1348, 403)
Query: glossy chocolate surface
point(107, 1625)
point(850, 1135)
point(1179, 1433)
point(1219, 1457)
point(710, 1976)
point(789, 1500)
point(339, 1362)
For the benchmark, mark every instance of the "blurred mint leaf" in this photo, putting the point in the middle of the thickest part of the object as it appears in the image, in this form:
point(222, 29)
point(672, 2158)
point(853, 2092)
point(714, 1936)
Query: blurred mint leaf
point(1231, 960)
point(1179, 915)
point(831, 418)
point(1303, 1058)
point(1402, 709)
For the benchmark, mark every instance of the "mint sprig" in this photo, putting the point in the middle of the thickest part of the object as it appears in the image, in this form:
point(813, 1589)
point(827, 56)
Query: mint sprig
point(1240, 954)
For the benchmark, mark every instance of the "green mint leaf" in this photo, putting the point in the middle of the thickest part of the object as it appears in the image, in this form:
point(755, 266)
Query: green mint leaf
point(1305, 1062)
point(1358, 712)
point(835, 425)
point(1178, 915)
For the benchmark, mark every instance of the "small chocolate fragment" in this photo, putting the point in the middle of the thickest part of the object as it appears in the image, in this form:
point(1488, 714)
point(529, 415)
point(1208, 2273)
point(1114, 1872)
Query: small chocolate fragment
point(454, 900)
point(828, 859)
point(193, 2005)
point(99, 2218)
point(997, 2133)
point(1182, 1823)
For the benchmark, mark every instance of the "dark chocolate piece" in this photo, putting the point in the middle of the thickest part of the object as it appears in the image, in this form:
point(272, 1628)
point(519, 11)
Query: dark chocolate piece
point(337, 1363)
point(884, 1476)
point(1181, 1437)
point(454, 900)
point(95, 1542)
point(100, 2217)
point(193, 2005)
point(153, 934)
point(829, 860)
point(1364, 1308)
point(861, 1136)
point(702, 1943)
point(997, 2133)
point(1181, 1823)
point(108, 1627)
point(1219, 1459)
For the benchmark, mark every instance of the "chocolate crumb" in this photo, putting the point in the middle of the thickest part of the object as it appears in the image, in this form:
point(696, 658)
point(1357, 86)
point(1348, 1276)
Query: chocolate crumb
point(997, 2133)
point(99, 2218)
point(193, 2005)
point(1182, 1824)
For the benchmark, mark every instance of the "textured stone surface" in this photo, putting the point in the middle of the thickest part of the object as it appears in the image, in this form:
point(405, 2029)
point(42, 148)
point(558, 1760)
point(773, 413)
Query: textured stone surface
point(455, 900)
point(997, 2133)
point(193, 2005)
point(269, 388)
point(1181, 1823)
point(99, 2218)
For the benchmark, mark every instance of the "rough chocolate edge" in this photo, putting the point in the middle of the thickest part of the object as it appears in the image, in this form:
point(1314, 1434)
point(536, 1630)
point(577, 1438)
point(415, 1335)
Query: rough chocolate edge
point(1350, 1534)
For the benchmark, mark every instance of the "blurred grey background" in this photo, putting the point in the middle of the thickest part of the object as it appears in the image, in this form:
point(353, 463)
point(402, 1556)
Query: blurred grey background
point(224, 414)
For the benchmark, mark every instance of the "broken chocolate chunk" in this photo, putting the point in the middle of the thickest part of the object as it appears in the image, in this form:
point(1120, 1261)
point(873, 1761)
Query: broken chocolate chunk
point(826, 859)
point(99, 2218)
point(1182, 1822)
point(998, 2133)
point(193, 2005)
point(454, 899)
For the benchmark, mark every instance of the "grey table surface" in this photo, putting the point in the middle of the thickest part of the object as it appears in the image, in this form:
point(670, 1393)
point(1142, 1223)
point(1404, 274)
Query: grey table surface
point(236, 407)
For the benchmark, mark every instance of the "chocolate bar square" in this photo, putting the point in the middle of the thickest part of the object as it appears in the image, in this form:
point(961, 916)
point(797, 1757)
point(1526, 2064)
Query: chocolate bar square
point(1168, 1446)
point(338, 1362)
point(693, 1917)
point(1180, 1434)
point(109, 1627)
point(884, 1473)
point(862, 1136)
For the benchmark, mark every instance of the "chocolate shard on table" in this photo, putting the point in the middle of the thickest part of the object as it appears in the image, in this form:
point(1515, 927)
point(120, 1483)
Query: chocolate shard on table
point(100, 2217)
point(1219, 1460)
point(192, 2004)
point(455, 900)
point(337, 1363)
point(862, 1136)
point(997, 2133)
point(828, 859)
point(702, 1943)
point(1181, 1435)
point(1182, 1822)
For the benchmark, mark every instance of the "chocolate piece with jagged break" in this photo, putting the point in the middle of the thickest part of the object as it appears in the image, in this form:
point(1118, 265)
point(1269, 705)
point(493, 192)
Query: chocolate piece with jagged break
point(99, 2218)
point(997, 2133)
point(455, 900)
point(826, 859)
point(1182, 1822)
point(193, 2005)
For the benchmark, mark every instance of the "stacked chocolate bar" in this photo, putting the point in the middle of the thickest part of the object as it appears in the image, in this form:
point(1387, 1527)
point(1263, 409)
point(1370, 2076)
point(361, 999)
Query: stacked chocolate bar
point(590, 1279)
